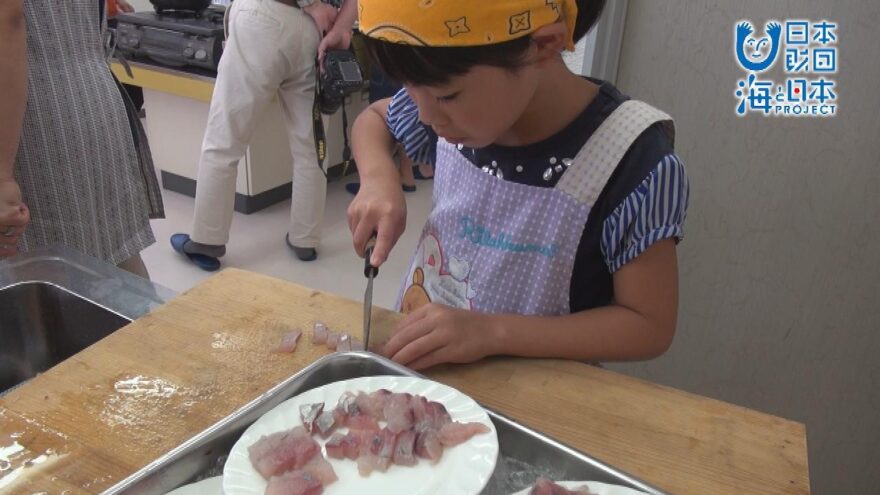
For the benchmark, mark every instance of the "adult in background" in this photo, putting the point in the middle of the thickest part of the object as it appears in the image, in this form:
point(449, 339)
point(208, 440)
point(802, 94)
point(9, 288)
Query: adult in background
point(271, 51)
point(83, 165)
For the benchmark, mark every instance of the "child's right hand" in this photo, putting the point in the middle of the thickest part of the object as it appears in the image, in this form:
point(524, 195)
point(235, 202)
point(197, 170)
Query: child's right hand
point(381, 208)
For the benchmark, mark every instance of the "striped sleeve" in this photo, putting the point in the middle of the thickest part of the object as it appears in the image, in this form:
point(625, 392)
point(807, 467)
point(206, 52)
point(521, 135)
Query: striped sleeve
point(419, 141)
point(654, 211)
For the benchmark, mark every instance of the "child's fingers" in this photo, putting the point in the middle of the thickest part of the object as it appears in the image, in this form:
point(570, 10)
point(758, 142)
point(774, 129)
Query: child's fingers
point(410, 319)
point(353, 215)
point(362, 233)
point(428, 342)
point(411, 328)
point(386, 237)
point(433, 358)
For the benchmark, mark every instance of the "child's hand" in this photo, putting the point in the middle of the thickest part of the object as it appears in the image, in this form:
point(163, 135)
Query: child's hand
point(381, 208)
point(435, 334)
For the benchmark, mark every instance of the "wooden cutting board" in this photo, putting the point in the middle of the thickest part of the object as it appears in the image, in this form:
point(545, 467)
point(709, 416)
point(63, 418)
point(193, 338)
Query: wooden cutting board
point(105, 413)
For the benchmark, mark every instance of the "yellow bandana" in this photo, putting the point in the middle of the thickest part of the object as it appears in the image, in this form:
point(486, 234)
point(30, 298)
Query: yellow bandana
point(461, 22)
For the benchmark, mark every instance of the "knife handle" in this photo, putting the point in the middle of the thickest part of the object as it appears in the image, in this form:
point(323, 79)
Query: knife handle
point(370, 270)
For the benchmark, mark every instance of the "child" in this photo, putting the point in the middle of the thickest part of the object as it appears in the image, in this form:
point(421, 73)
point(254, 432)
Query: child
point(558, 201)
point(416, 142)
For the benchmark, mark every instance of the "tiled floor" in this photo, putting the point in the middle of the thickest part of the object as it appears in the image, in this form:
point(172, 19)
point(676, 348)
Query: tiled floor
point(257, 244)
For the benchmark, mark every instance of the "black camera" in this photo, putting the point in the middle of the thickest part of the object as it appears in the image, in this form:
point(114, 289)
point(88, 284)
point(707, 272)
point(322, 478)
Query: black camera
point(341, 77)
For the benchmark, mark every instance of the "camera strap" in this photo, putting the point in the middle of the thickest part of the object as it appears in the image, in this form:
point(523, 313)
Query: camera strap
point(346, 148)
point(318, 124)
point(321, 136)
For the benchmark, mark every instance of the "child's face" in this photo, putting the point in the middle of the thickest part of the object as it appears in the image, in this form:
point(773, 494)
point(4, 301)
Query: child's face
point(479, 108)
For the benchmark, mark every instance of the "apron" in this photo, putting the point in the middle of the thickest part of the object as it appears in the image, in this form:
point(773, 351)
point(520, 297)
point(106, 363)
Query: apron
point(496, 246)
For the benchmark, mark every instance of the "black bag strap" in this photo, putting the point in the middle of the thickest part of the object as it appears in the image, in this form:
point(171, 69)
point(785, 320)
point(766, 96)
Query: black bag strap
point(318, 123)
point(320, 133)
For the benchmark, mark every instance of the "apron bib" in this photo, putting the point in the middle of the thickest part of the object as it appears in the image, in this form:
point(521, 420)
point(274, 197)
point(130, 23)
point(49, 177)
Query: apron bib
point(496, 246)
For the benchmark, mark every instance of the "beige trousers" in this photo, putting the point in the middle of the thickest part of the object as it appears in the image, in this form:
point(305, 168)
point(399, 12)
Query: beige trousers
point(270, 52)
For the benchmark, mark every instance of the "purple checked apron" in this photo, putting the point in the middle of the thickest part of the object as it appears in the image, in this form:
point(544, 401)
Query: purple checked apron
point(496, 246)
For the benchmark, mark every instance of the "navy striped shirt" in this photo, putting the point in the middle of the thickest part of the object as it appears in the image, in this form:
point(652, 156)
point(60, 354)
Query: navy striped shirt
point(645, 200)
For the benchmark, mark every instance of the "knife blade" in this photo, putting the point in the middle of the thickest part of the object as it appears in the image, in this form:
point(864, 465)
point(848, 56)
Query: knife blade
point(370, 272)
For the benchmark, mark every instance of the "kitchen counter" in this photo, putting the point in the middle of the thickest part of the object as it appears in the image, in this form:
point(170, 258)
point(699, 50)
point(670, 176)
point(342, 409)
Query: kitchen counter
point(108, 411)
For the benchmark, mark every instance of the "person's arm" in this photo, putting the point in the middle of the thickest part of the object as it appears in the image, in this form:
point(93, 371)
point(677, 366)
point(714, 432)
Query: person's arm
point(339, 36)
point(323, 14)
point(13, 80)
point(379, 205)
point(14, 215)
point(639, 325)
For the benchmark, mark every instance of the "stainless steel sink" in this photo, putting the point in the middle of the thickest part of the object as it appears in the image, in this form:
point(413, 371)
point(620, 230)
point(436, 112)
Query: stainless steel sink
point(56, 302)
point(44, 325)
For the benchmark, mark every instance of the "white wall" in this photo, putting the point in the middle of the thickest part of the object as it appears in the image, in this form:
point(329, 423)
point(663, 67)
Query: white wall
point(597, 54)
point(780, 278)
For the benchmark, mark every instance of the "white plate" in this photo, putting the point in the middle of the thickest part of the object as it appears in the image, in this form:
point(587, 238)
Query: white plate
point(208, 486)
point(594, 486)
point(464, 469)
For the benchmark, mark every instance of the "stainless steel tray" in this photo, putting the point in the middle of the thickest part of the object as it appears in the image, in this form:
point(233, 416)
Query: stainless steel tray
point(524, 453)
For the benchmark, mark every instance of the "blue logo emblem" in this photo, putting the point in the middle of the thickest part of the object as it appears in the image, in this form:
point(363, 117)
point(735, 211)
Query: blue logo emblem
point(757, 54)
point(809, 49)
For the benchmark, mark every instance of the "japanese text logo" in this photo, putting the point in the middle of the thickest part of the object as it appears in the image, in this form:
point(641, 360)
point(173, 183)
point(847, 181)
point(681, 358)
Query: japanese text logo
point(808, 50)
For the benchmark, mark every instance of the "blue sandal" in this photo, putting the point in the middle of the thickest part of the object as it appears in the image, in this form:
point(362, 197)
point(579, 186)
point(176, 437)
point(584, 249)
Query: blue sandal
point(207, 263)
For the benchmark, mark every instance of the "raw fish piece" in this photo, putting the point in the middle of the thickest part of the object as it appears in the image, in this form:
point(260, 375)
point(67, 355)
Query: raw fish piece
point(343, 446)
point(320, 333)
point(340, 417)
point(389, 443)
point(344, 343)
point(325, 424)
point(351, 446)
point(378, 452)
point(374, 403)
point(334, 446)
point(283, 451)
point(428, 445)
point(309, 414)
point(544, 486)
point(439, 414)
point(347, 404)
point(320, 469)
point(288, 341)
point(362, 422)
point(398, 412)
point(420, 412)
point(332, 339)
point(367, 463)
point(294, 483)
point(364, 438)
point(452, 434)
point(404, 451)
